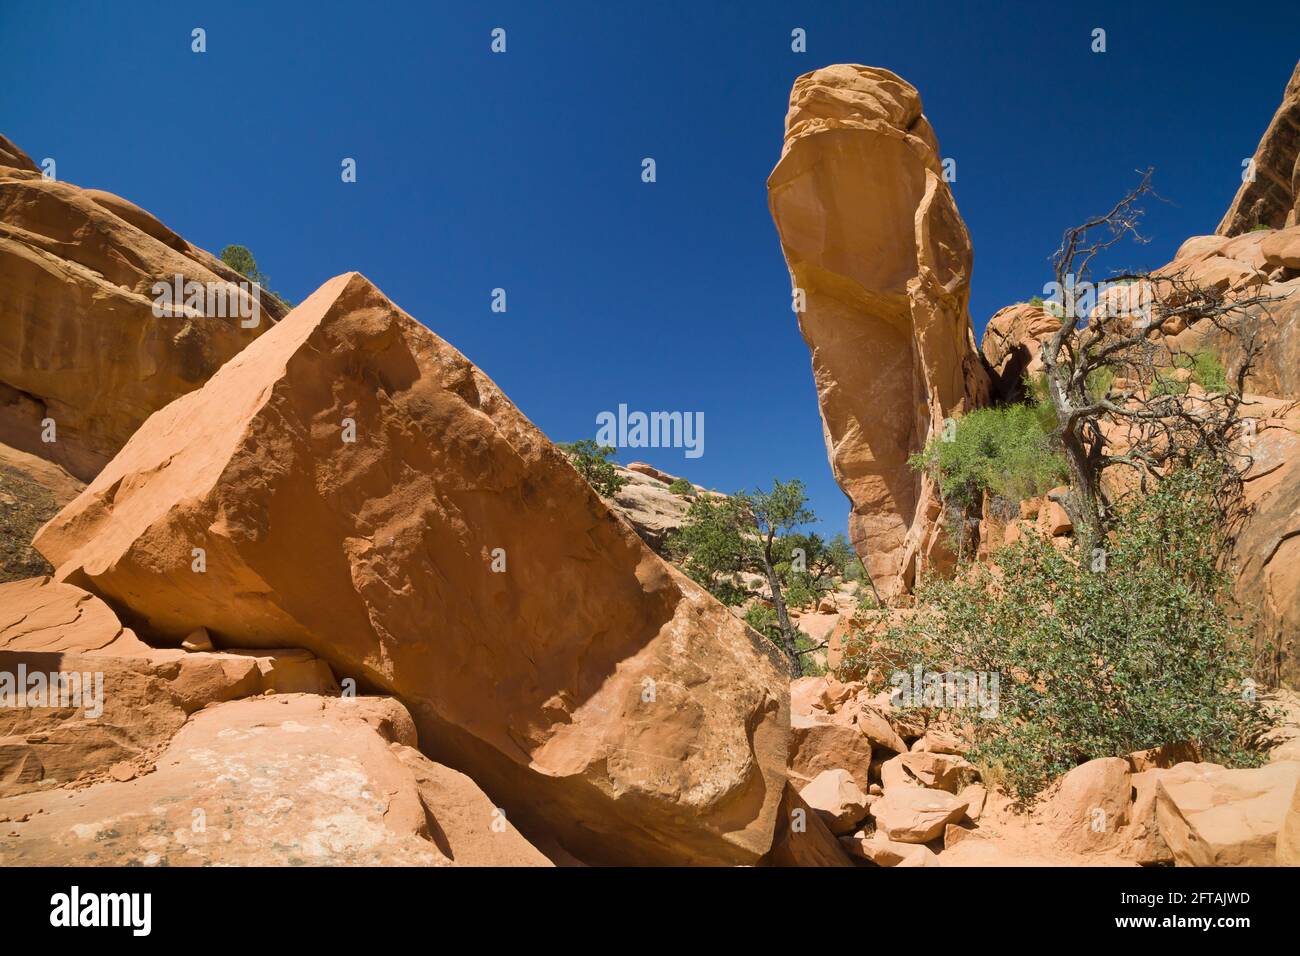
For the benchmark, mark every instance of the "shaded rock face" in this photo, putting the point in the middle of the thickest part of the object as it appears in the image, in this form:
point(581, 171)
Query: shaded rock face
point(79, 341)
point(32, 491)
point(873, 240)
point(1272, 199)
point(1266, 552)
point(352, 481)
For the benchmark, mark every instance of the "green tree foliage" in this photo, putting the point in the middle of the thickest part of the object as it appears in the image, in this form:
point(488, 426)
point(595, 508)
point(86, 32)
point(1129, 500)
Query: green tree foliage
point(680, 486)
point(1207, 371)
point(241, 260)
point(711, 548)
point(1006, 451)
point(592, 462)
point(1096, 655)
point(763, 619)
point(754, 532)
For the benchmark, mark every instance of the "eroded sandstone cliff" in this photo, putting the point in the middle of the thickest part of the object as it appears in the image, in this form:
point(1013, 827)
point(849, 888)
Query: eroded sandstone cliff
point(881, 264)
point(81, 346)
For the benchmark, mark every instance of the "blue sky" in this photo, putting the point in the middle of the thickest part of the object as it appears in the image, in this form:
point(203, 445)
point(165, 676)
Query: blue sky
point(522, 170)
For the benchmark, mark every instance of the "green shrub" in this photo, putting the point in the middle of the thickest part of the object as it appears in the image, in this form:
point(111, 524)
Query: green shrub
point(241, 260)
point(1207, 371)
point(592, 462)
point(1095, 655)
point(1005, 451)
point(681, 486)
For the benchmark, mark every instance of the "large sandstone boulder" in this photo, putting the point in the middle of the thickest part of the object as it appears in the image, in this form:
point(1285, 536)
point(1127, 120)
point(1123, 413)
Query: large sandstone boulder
point(1210, 816)
point(357, 488)
point(819, 744)
point(275, 781)
point(875, 246)
point(840, 803)
point(79, 341)
point(1272, 198)
point(1288, 838)
point(1090, 806)
point(915, 814)
point(1266, 551)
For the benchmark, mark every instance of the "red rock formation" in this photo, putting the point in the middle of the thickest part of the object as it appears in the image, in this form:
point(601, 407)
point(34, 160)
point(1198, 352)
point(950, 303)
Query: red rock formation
point(361, 490)
point(79, 341)
point(874, 243)
point(1273, 198)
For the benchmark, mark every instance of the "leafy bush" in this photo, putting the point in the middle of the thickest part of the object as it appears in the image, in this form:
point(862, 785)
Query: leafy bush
point(1006, 451)
point(681, 486)
point(592, 462)
point(1095, 655)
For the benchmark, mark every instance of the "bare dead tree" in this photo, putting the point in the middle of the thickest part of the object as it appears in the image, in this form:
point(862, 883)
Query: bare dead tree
point(1112, 376)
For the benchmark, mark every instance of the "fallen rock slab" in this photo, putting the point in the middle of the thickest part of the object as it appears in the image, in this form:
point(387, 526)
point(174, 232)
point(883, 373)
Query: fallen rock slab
point(355, 487)
point(81, 695)
point(1210, 816)
point(802, 839)
point(914, 814)
point(837, 800)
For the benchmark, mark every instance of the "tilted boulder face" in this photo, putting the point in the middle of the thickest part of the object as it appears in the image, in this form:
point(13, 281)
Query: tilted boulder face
point(1273, 197)
point(875, 245)
point(359, 489)
point(79, 341)
point(1210, 816)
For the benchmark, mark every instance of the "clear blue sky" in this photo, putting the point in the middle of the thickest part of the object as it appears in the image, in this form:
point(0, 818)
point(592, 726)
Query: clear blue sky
point(523, 170)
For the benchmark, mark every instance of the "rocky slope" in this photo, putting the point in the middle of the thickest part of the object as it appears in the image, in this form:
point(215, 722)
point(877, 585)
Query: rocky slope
point(361, 490)
point(647, 504)
point(896, 793)
point(79, 341)
point(1272, 198)
point(875, 244)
